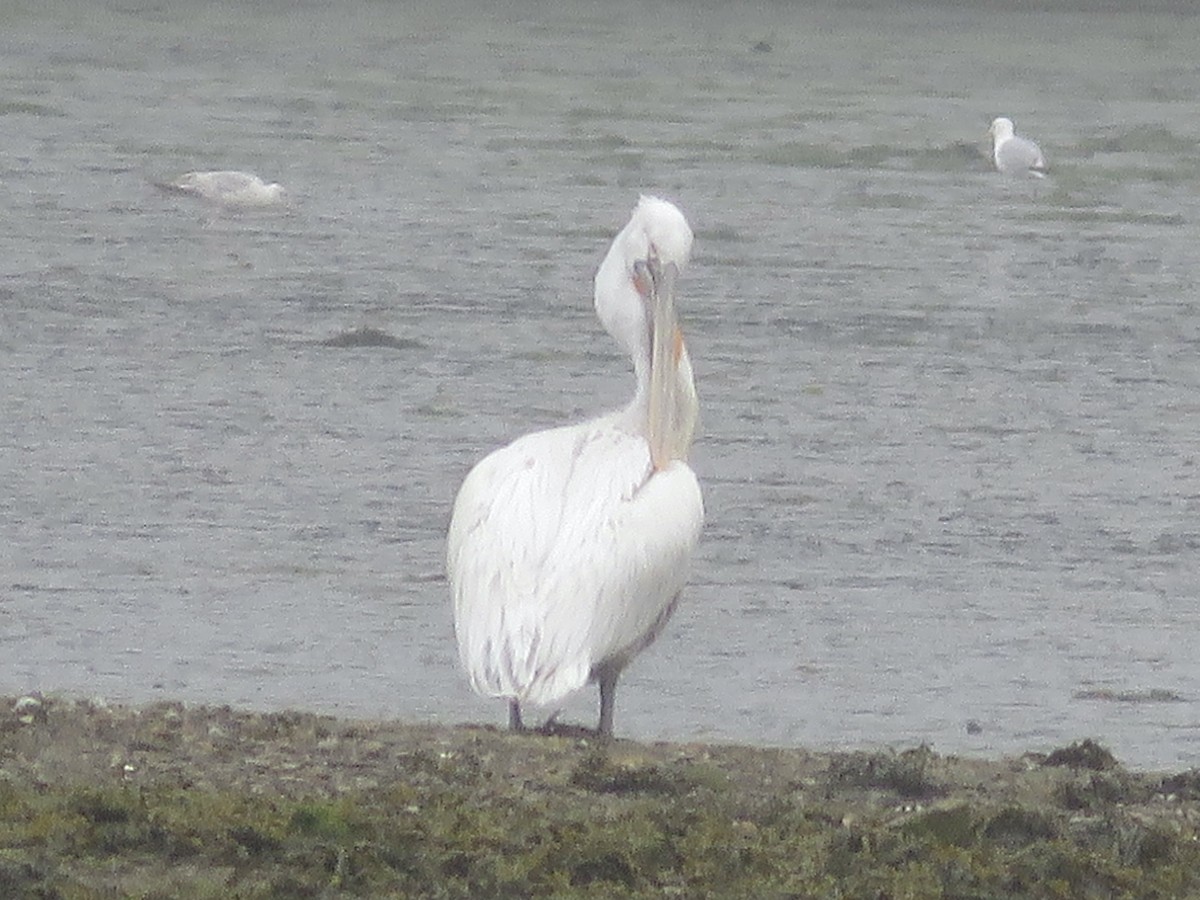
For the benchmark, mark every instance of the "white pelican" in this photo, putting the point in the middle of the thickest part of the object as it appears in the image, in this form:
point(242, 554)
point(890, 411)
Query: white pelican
point(568, 549)
point(1015, 155)
point(226, 188)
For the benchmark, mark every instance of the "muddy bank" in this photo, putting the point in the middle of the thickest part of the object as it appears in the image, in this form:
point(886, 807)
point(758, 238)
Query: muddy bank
point(170, 800)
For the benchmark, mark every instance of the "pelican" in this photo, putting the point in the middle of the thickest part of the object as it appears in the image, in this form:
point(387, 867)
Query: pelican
point(1015, 155)
point(568, 549)
point(226, 188)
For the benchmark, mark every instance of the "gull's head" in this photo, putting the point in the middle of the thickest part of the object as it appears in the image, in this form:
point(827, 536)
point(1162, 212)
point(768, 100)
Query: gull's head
point(1001, 129)
point(256, 190)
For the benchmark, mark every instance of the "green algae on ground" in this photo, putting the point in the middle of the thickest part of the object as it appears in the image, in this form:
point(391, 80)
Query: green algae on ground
point(174, 801)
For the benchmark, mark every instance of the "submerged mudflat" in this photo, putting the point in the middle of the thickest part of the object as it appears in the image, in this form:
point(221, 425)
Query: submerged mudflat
point(171, 800)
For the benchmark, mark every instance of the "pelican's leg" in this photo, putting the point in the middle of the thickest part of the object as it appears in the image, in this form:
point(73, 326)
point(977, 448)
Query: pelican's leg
point(514, 716)
point(607, 680)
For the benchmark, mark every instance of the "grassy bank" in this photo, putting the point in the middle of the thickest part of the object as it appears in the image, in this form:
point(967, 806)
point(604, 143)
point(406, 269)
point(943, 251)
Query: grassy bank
point(200, 802)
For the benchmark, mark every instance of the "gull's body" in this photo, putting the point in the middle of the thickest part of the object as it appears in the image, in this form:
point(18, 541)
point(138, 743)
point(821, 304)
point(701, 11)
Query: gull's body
point(1015, 155)
point(227, 188)
point(568, 549)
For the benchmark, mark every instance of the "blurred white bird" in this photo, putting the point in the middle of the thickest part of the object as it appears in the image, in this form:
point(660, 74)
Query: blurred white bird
point(226, 188)
point(1015, 155)
point(568, 549)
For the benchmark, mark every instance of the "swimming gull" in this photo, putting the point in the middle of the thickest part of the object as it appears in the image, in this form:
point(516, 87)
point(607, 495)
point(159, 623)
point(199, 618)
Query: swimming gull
point(227, 188)
point(1015, 155)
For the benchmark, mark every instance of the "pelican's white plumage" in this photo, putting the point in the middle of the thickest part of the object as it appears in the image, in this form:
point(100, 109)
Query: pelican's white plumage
point(568, 548)
point(227, 188)
point(1015, 155)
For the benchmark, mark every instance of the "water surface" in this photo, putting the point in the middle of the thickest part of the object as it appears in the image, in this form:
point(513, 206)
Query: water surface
point(949, 420)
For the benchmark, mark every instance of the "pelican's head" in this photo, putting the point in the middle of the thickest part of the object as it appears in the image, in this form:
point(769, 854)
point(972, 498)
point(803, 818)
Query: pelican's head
point(657, 231)
point(635, 299)
point(1001, 129)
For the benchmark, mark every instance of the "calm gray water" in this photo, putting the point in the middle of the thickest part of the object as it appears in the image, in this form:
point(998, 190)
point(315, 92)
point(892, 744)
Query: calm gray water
point(950, 421)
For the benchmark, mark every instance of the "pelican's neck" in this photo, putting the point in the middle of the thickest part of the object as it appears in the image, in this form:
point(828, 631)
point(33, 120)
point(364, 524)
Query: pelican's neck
point(635, 416)
point(664, 409)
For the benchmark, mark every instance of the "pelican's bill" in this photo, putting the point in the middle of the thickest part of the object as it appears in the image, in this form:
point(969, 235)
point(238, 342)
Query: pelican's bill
point(672, 401)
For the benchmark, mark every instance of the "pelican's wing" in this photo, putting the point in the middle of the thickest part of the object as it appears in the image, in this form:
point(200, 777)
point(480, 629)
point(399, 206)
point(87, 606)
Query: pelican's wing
point(565, 551)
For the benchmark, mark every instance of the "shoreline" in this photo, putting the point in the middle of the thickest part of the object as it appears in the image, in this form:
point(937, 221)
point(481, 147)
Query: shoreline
point(170, 799)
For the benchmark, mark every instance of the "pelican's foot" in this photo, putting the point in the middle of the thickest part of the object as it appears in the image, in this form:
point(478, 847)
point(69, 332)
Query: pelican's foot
point(555, 728)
